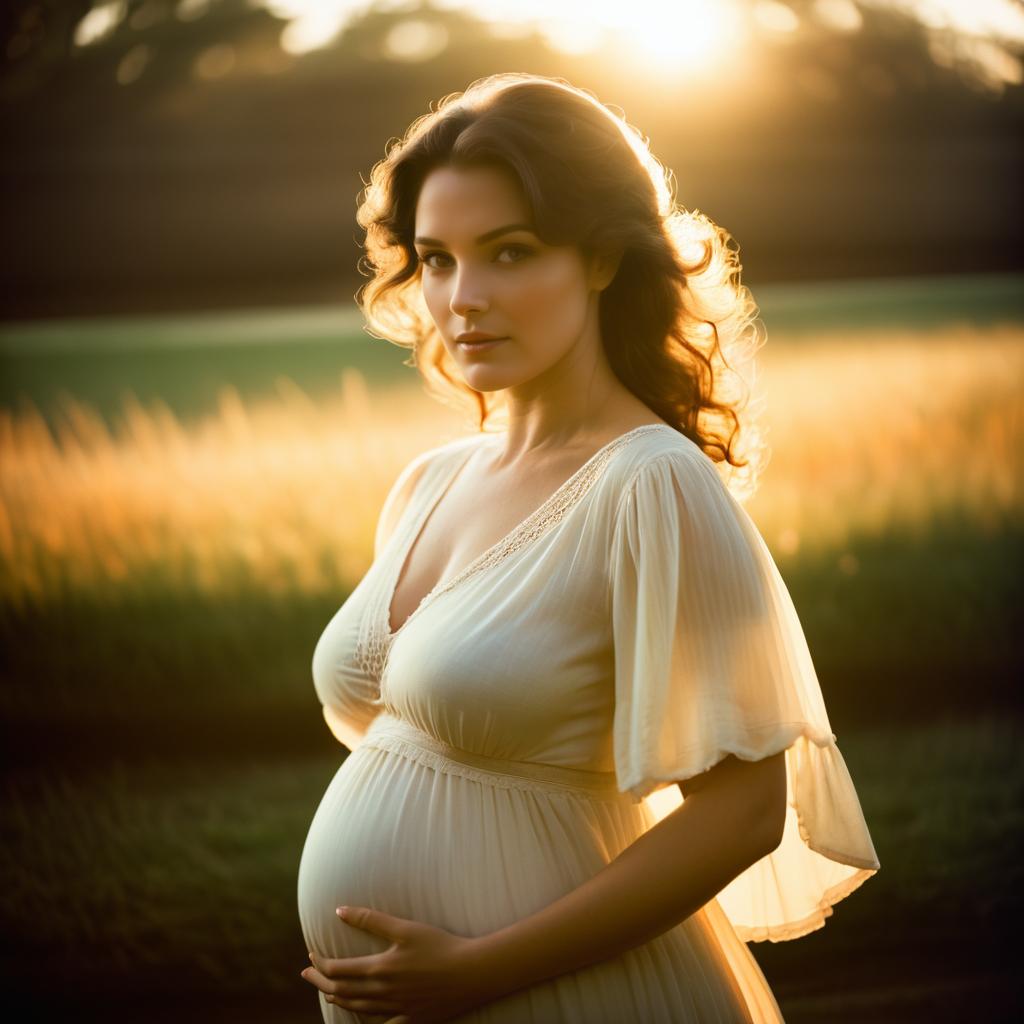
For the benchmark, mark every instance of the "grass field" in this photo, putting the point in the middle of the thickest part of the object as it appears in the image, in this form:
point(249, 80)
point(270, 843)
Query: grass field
point(184, 361)
point(866, 437)
point(178, 875)
point(178, 523)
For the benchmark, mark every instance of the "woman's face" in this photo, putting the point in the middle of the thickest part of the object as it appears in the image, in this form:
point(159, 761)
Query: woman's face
point(484, 270)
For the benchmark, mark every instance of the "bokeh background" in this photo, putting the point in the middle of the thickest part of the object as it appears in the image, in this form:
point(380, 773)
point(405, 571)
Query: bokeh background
point(196, 435)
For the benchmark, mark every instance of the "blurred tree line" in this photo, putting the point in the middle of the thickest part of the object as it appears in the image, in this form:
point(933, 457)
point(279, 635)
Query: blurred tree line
point(187, 160)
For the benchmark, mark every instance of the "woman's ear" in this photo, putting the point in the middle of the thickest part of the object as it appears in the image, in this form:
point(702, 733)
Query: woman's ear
point(603, 266)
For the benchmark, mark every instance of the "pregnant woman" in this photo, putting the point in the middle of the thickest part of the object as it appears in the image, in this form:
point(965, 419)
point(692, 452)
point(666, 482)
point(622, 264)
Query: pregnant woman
point(590, 757)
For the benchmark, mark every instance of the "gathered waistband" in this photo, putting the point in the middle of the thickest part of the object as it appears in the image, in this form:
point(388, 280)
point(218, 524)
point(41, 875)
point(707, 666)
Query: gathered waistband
point(389, 732)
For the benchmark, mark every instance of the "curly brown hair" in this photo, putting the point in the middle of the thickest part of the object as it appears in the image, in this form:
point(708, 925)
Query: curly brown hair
point(675, 322)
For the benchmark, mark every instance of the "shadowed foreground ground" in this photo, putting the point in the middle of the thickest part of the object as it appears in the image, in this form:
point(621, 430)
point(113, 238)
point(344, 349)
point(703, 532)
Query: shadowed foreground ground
point(154, 878)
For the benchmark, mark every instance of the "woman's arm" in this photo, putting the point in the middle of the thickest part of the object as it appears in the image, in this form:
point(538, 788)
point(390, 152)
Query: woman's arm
point(732, 816)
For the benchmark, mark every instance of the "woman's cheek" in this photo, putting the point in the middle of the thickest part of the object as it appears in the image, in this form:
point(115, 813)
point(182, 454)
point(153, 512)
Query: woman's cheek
point(436, 303)
point(557, 310)
point(543, 291)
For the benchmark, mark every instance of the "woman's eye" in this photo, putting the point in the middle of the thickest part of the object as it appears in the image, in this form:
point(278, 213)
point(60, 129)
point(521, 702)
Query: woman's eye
point(427, 257)
point(521, 252)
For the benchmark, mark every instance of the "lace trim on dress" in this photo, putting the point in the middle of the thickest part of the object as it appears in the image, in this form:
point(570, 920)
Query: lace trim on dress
point(391, 733)
point(370, 646)
point(376, 638)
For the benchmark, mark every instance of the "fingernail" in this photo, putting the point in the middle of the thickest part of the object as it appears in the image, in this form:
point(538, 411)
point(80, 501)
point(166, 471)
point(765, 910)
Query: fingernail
point(311, 958)
point(342, 912)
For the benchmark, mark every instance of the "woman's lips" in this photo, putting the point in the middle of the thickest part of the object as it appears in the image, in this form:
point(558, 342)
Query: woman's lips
point(479, 346)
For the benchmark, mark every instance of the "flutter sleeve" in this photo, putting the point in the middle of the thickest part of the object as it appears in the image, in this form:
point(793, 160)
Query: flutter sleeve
point(710, 660)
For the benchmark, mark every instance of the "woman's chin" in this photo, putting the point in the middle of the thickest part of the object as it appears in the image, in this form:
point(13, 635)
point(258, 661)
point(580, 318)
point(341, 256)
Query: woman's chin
point(488, 379)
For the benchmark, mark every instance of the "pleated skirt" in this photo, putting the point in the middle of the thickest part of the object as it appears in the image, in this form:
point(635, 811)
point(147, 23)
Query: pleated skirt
point(421, 830)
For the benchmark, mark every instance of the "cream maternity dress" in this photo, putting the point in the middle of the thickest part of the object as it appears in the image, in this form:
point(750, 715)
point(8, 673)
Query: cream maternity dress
point(528, 721)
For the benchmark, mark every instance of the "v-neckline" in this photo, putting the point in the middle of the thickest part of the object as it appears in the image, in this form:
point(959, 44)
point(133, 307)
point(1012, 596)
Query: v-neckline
point(419, 523)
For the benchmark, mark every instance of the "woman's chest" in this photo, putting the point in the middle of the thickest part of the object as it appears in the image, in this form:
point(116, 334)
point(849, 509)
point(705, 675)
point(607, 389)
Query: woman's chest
point(513, 660)
point(478, 516)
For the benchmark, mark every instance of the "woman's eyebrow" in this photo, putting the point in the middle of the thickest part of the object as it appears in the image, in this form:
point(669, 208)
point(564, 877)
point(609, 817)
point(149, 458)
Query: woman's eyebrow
point(486, 237)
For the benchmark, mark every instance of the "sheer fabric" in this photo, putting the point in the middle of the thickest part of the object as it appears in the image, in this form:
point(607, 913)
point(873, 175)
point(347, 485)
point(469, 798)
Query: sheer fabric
point(710, 660)
point(522, 726)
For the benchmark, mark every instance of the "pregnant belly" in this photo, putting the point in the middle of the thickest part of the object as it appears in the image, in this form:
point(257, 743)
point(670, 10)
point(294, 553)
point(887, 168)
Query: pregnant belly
point(408, 838)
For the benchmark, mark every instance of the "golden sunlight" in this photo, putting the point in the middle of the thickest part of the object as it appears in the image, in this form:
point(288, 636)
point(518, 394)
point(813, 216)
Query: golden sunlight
point(687, 30)
point(682, 36)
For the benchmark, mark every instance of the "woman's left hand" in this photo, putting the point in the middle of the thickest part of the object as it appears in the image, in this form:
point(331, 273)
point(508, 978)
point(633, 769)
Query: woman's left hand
point(427, 975)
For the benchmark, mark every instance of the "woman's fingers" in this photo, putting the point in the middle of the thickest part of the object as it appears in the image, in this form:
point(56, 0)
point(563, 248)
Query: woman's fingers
point(337, 986)
point(346, 967)
point(348, 995)
point(345, 987)
point(363, 1005)
point(314, 977)
point(370, 920)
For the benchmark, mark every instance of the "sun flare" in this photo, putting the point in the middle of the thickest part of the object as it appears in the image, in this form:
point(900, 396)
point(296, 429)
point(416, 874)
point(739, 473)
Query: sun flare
point(687, 36)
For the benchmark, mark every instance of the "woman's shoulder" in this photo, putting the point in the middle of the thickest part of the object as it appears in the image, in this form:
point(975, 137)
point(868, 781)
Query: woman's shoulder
point(435, 460)
point(649, 452)
point(417, 472)
point(439, 457)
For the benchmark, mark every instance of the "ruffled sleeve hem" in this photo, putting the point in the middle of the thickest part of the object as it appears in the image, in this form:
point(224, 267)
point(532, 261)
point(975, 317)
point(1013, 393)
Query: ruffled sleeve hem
point(814, 920)
point(826, 850)
point(825, 854)
point(755, 745)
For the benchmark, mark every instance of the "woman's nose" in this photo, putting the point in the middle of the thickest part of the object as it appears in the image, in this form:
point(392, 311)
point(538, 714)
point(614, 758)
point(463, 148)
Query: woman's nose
point(469, 295)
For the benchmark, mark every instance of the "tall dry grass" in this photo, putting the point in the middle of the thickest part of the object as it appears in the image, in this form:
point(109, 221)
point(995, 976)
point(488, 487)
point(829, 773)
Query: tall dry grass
point(867, 432)
point(880, 431)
